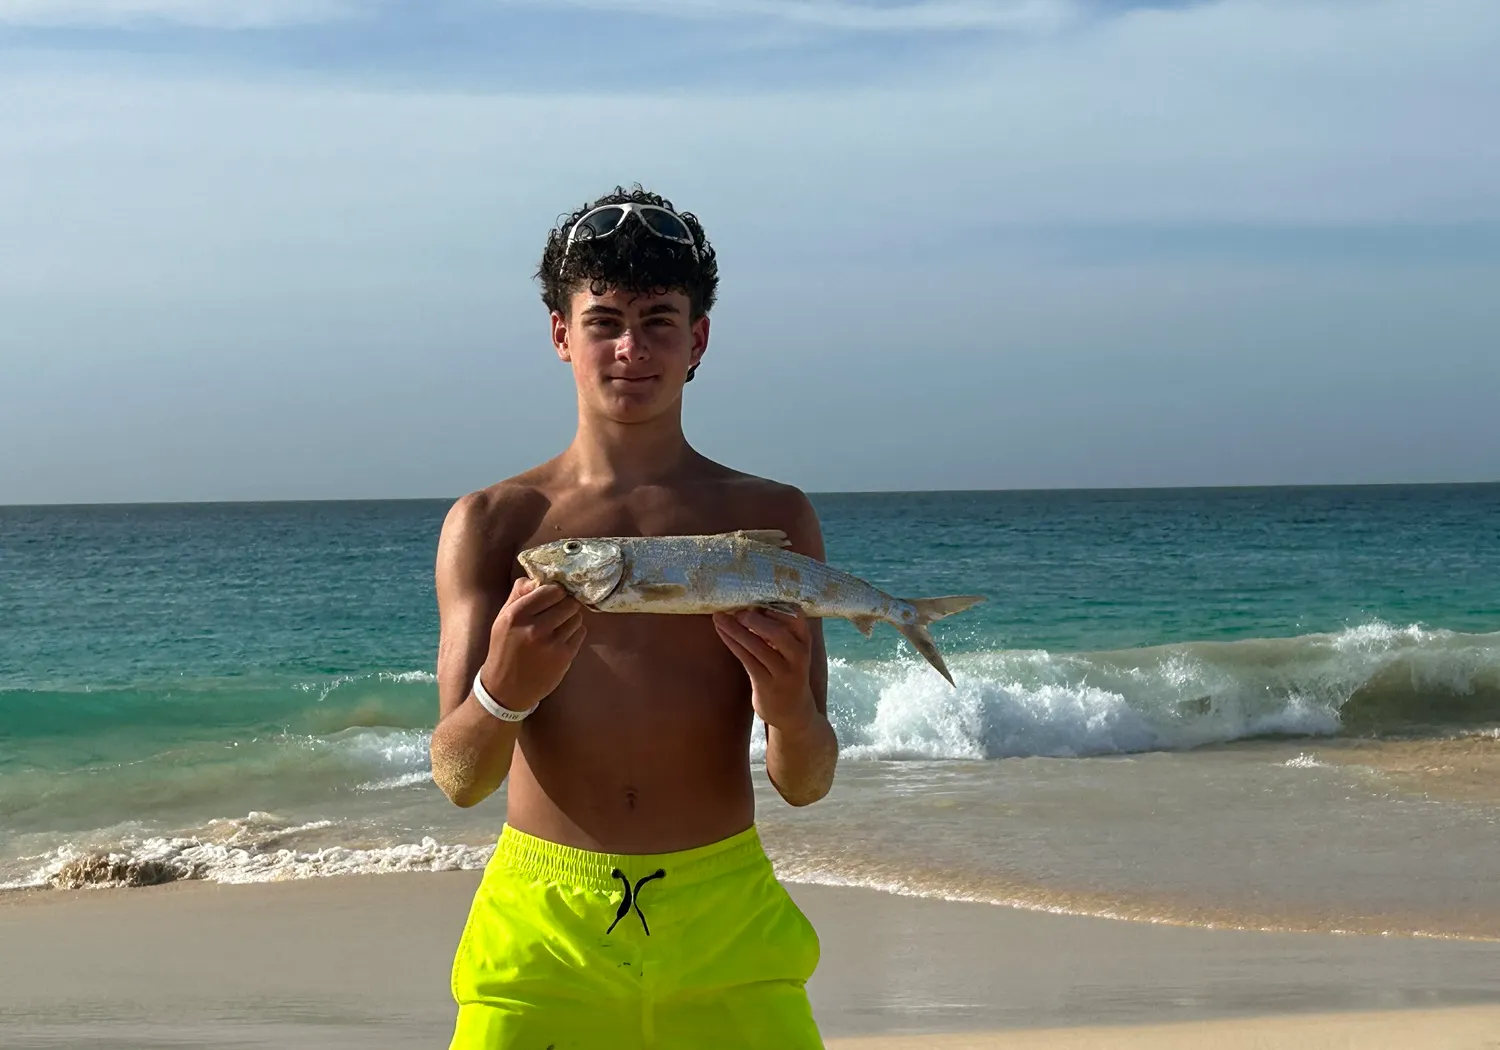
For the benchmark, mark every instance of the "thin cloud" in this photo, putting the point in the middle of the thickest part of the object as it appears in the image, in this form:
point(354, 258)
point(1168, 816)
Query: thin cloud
point(843, 14)
point(831, 14)
point(1155, 214)
point(206, 14)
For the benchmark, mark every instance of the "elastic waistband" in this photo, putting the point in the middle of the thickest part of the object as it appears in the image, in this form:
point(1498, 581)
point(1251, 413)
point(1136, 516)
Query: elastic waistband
point(550, 862)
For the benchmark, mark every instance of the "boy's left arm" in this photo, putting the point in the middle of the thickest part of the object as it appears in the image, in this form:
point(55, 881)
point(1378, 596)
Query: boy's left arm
point(784, 655)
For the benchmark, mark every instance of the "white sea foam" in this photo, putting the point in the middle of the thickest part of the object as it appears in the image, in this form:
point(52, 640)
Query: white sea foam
point(1305, 761)
point(249, 849)
point(327, 686)
point(407, 676)
point(421, 777)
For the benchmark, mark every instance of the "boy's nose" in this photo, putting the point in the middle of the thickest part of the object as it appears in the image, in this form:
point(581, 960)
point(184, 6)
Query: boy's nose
point(631, 343)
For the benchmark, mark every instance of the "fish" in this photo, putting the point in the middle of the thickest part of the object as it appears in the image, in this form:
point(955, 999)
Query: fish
point(728, 571)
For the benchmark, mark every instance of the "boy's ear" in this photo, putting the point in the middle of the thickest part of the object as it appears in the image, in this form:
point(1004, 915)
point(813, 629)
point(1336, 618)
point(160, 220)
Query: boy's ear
point(560, 336)
point(700, 346)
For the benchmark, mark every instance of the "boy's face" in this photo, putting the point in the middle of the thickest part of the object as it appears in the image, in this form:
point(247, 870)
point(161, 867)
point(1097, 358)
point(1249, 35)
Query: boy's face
point(630, 353)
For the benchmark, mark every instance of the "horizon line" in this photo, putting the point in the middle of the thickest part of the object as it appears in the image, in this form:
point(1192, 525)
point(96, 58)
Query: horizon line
point(1058, 490)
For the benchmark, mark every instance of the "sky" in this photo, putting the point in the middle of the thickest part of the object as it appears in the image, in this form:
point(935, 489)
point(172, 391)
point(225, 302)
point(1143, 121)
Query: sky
point(283, 249)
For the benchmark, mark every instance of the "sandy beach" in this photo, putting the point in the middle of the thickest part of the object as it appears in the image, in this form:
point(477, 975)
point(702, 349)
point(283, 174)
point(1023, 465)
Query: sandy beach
point(362, 961)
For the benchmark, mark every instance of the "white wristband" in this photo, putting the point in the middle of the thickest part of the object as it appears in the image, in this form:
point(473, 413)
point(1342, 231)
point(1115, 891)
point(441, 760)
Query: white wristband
point(493, 706)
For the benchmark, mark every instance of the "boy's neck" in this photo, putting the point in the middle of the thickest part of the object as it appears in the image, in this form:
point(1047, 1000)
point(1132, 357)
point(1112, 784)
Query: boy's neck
point(611, 455)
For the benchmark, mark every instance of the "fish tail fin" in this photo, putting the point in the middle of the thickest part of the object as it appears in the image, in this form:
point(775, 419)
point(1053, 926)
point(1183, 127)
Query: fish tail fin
point(930, 610)
point(917, 635)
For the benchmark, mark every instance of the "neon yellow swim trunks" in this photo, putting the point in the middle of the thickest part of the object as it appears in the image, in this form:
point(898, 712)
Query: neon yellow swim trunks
point(571, 950)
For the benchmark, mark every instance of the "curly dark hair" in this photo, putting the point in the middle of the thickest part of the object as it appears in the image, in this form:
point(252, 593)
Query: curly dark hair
point(632, 259)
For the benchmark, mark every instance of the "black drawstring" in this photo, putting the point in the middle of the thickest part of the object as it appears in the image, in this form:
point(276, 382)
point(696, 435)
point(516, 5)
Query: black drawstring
point(632, 898)
point(624, 903)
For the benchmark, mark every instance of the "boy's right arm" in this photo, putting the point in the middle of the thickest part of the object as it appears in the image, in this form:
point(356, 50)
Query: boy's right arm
point(521, 646)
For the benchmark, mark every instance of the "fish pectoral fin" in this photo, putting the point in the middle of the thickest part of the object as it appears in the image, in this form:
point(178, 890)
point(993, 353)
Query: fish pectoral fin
point(770, 537)
point(790, 608)
point(866, 624)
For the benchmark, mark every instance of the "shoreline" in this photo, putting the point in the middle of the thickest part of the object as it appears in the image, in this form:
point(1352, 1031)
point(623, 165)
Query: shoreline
point(363, 961)
point(1137, 908)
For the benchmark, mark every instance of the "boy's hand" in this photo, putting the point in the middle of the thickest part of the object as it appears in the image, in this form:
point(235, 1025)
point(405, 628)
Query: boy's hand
point(533, 641)
point(776, 650)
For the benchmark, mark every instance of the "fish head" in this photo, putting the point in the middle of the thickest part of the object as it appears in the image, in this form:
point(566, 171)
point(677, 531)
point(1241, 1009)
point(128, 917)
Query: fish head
point(589, 570)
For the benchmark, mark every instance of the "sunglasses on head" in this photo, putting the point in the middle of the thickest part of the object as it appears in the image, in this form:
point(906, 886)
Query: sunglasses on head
point(607, 218)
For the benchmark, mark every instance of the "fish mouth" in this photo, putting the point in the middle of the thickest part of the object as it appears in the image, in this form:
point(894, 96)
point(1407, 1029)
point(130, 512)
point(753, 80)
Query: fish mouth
point(533, 570)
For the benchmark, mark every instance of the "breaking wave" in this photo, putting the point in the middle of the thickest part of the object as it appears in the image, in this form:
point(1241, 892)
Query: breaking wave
point(1372, 680)
point(368, 733)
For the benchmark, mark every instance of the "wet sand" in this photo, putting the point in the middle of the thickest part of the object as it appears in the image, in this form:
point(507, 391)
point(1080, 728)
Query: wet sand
point(363, 961)
point(1458, 1028)
point(1460, 769)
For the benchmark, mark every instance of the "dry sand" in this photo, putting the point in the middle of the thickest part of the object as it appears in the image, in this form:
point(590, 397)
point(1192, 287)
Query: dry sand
point(363, 962)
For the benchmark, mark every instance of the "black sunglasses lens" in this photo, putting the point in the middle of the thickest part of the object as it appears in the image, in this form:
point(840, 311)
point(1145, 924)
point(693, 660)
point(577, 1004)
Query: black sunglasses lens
point(600, 222)
point(666, 224)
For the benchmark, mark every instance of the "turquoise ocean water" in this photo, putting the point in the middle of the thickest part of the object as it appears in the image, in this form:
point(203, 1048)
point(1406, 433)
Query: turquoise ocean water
point(243, 691)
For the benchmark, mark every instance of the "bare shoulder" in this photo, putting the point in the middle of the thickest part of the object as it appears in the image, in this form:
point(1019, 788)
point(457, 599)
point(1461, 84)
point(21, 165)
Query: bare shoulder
point(763, 503)
point(483, 532)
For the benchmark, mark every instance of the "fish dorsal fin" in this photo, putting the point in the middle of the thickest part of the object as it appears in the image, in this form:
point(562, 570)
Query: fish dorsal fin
point(770, 537)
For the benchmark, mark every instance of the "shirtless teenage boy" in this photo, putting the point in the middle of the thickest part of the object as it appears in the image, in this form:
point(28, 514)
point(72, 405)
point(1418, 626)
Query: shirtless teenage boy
point(629, 902)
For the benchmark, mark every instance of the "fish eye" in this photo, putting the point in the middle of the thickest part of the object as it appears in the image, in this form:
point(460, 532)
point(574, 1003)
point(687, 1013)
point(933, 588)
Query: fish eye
point(572, 547)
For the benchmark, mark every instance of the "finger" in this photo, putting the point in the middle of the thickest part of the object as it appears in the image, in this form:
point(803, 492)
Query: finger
point(773, 631)
point(796, 622)
point(752, 665)
point(573, 639)
point(519, 588)
point(797, 615)
point(556, 617)
point(764, 654)
point(542, 596)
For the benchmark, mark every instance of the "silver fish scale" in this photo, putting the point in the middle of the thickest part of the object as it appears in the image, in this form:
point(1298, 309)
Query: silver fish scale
point(704, 574)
